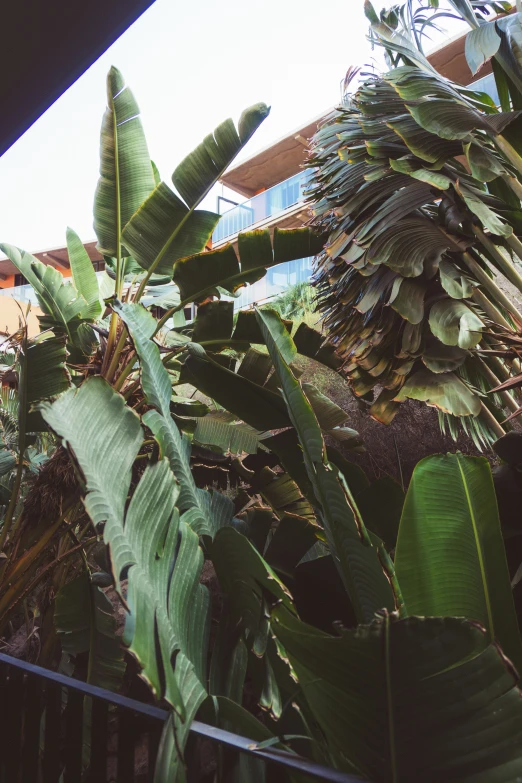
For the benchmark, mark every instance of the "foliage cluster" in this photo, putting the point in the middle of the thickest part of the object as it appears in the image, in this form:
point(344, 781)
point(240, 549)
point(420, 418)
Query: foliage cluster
point(371, 631)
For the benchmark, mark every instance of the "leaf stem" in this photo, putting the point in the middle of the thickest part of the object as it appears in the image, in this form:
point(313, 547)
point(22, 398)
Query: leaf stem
point(491, 421)
point(514, 184)
point(508, 400)
point(117, 353)
point(125, 372)
point(509, 151)
point(492, 288)
point(515, 244)
point(491, 311)
point(506, 267)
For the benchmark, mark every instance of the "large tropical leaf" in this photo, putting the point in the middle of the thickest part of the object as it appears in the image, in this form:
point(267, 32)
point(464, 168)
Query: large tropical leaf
point(202, 168)
point(443, 390)
point(43, 376)
point(358, 562)
point(84, 621)
point(168, 607)
point(199, 274)
point(450, 557)
point(365, 687)
point(167, 228)
point(126, 175)
point(164, 230)
point(406, 222)
point(256, 405)
point(224, 431)
point(245, 579)
point(455, 324)
point(207, 512)
point(7, 461)
point(60, 301)
point(84, 276)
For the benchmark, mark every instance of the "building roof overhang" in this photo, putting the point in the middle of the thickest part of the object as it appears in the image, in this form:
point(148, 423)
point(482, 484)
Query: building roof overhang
point(295, 217)
point(450, 60)
point(278, 161)
point(46, 46)
point(55, 256)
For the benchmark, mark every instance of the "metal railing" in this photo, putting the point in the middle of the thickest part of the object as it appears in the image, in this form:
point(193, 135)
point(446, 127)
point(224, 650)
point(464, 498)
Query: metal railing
point(488, 85)
point(277, 280)
point(56, 729)
point(267, 204)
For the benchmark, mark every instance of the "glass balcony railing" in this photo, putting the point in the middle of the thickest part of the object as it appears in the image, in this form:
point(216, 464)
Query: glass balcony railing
point(276, 280)
point(267, 204)
point(488, 85)
point(26, 293)
point(23, 293)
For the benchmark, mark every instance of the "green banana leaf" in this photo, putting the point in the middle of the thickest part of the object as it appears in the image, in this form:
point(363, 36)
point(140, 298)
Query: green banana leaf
point(426, 699)
point(166, 228)
point(60, 302)
point(259, 407)
point(84, 622)
point(356, 558)
point(450, 557)
point(126, 175)
point(245, 578)
point(7, 461)
point(205, 511)
point(44, 375)
point(214, 323)
point(198, 275)
point(84, 276)
point(202, 168)
point(310, 342)
point(222, 430)
point(444, 390)
point(168, 607)
point(163, 230)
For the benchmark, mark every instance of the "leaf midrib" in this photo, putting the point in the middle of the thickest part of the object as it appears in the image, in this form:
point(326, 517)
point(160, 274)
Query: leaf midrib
point(480, 556)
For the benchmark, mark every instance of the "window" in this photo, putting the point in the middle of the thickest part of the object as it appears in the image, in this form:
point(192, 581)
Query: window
point(19, 280)
point(99, 266)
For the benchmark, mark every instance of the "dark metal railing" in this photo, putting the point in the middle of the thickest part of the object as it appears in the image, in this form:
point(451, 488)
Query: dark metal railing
point(53, 726)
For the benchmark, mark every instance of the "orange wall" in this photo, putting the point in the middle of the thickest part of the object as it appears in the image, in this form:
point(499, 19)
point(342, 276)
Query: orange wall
point(10, 282)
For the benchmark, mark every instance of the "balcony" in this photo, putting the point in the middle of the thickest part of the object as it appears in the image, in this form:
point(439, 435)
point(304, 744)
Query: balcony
point(22, 293)
point(265, 205)
point(276, 280)
point(488, 85)
point(26, 293)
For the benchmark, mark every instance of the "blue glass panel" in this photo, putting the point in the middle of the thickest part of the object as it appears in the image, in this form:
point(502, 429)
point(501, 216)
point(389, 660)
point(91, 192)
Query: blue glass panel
point(267, 204)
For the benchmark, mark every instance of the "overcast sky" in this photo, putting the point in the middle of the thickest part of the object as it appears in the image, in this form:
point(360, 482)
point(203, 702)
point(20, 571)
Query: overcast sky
point(190, 65)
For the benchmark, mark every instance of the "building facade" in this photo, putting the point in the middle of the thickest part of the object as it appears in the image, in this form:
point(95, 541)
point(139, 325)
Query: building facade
point(263, 191)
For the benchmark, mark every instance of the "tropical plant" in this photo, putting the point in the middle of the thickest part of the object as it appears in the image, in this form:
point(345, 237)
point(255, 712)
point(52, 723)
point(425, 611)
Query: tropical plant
point(305, 550)
point(418, 181)
point(296, 302)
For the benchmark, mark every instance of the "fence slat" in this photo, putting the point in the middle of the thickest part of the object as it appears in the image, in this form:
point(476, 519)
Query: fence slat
point(4, 713)
point(53, 708)
point(99, 740)
point(33, 714)
point(74, 736)
point(126, 743)
point(14, 698)
point(155, 731)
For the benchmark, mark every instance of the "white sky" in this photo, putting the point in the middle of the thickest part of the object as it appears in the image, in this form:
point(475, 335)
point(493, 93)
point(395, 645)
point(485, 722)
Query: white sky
point(190, 65)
